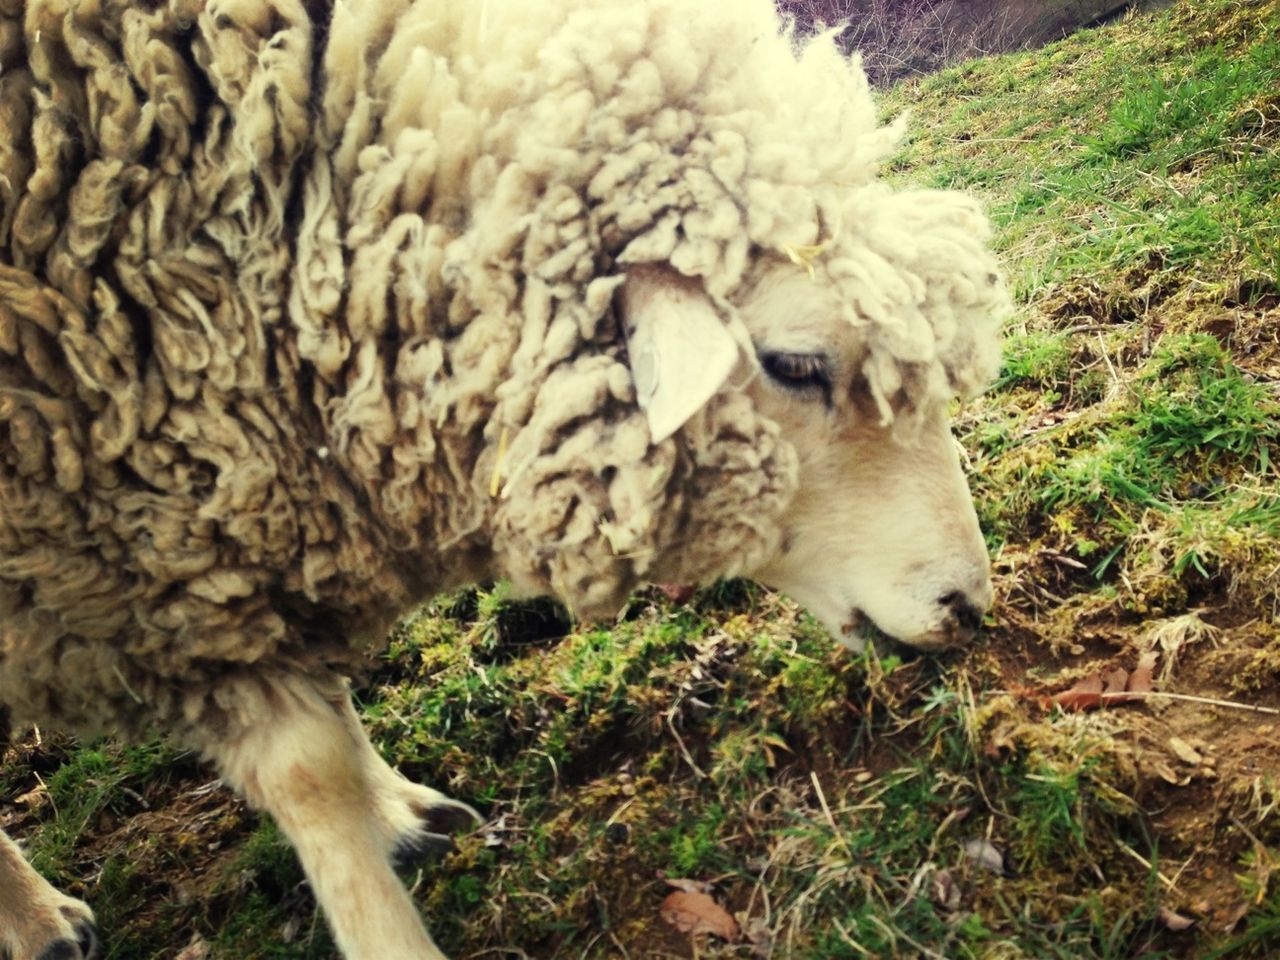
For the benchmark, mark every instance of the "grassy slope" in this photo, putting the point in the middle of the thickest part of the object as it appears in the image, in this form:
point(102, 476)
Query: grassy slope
point(1124, 468)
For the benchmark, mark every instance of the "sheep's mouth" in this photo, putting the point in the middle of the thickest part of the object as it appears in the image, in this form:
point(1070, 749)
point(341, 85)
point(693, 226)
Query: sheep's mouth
point(862, 627)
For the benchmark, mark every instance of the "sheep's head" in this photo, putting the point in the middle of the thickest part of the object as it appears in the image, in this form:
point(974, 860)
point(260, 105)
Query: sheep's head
point(881, 534)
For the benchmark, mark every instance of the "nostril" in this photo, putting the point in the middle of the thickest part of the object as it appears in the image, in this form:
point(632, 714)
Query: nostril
point(966, 614)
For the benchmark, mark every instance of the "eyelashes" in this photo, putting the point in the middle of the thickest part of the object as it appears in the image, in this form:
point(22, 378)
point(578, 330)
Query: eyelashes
point(802, 372)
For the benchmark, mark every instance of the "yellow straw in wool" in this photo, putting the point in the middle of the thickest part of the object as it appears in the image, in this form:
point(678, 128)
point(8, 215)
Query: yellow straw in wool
point(496, 480)
point(803, 255)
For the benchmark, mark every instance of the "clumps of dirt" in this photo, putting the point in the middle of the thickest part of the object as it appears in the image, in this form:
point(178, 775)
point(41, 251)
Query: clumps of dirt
point(1258, 119)
point(1134, 295)
point(145, 855)
point(1088, 303)
point(1198, 772)
point(1245, 319)
point(1150, 300)
point(1235, 25)
point(1253, 293)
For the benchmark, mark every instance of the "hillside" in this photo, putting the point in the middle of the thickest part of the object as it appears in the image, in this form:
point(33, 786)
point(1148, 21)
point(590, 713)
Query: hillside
point(1125, 469)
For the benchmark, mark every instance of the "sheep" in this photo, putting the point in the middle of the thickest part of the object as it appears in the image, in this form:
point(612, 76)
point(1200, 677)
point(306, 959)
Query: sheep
point(310, 311)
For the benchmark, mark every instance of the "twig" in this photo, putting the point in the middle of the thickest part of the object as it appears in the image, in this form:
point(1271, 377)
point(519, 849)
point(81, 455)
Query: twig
point(618, 943)
point(555, 770)
point(831, 821)
point(1128, 696)
point(1189, 698)
point(894, 934)
point(1088, 328)
point(844, 935)
point(43, 786)
point(125, 683)
point(617, 813)
point(684, 751)
point(1243, 828)
point(1161, 182)
point(1115, 374)
point(1168, 884)
point(990, 140)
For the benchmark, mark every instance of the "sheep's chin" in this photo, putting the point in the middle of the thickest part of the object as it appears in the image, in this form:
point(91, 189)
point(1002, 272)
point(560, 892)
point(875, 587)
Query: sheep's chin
point(858, 631)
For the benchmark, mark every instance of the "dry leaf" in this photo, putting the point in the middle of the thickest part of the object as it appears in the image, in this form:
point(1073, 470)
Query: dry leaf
point(1115, 686)
point(944, 891)
point(1085, 695)
point(984, 854)
point(688, 886)
point(197, 949)
point(760, 937)
point(1185, 751)
point(1141, 679)
point(1165, 773)
point(677, 593)
point(1174, 921)
point(1115, 681)
point(696, 913)
point(1231, 918)
point(33, 798)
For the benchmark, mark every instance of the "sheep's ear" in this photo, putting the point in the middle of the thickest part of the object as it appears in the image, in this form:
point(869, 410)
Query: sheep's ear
point(680, 349)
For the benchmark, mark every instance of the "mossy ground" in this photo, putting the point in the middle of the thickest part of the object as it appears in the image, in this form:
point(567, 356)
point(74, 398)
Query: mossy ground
point(1124, 468)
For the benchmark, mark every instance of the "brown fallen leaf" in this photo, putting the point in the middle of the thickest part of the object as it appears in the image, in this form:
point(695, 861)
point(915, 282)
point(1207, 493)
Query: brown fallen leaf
point(677, 593)
point(944, 891)
point(1115, 682)
point(760, 937)
point(1140, 681)
point(1229, 919)
point(33, 798)
point(1115, 686)
point(696, 913)
point(1165, 773)
point(1085, 695)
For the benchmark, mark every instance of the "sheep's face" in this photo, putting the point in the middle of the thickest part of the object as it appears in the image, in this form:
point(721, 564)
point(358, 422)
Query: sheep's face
point(882, 534)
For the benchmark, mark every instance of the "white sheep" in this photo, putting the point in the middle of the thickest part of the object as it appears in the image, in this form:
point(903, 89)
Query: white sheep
point(307, 314)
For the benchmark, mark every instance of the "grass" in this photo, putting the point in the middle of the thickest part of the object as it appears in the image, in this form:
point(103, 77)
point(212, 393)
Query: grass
point(1124, 467)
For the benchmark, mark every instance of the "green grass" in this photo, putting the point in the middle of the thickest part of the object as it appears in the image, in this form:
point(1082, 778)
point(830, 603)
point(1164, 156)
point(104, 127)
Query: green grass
point(1124, 468)
point(96, 780)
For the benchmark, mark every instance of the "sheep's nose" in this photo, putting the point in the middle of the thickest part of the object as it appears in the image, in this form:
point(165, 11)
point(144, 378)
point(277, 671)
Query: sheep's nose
point(964, 613)
point(967, 614)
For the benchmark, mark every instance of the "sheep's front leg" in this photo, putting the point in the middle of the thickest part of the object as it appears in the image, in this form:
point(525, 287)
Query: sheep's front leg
point(302, 755)
point(36, 921)
point(414, 821)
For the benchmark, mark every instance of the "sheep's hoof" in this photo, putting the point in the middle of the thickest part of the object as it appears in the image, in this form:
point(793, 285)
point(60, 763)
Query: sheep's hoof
point(84, 947)
point(431, 838)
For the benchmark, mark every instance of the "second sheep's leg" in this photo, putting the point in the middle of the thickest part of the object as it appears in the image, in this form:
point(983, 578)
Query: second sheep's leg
point(301, 755)
point(36, 921)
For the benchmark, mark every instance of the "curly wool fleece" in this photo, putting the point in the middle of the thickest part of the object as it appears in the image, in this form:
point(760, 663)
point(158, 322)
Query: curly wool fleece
point(301, 321)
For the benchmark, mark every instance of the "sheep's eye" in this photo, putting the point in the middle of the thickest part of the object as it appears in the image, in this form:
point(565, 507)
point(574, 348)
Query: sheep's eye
point(799, 371)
